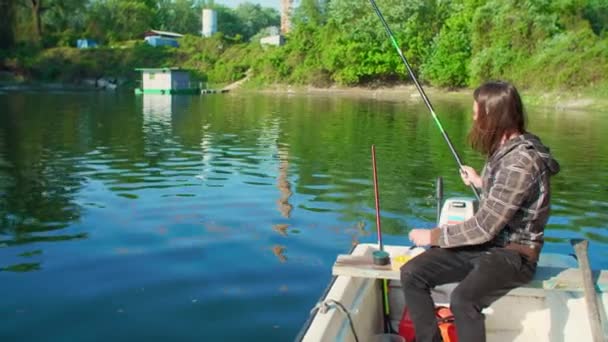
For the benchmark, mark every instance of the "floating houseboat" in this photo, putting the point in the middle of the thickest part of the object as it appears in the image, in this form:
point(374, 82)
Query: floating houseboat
point(166, 81)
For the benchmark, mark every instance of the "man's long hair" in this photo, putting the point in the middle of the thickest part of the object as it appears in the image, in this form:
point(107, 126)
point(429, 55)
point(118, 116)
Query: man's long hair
point(500, 112)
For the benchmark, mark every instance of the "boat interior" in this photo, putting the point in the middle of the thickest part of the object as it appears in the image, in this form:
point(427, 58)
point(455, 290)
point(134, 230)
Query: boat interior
point(550, 308)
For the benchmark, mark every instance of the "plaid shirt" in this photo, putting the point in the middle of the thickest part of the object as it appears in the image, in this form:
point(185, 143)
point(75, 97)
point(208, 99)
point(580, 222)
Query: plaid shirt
point(515, 197)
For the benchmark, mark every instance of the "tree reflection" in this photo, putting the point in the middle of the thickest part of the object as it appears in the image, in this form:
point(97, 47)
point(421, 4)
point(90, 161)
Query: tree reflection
point(39, 172)
point(25, 267)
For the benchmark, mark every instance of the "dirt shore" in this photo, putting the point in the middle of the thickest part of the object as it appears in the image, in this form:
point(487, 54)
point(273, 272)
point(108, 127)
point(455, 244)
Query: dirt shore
point(392, 93)
point(560, 101)
point(406, 93)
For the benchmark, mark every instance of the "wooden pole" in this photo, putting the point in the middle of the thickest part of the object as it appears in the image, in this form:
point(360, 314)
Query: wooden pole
point(377, 199)
point(439, 197)
point(593, 312)
point(384, 283)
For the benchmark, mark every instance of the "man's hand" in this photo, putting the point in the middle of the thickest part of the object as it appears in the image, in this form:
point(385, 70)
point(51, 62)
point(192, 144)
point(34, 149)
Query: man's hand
point(424, 237)
point(469, 176)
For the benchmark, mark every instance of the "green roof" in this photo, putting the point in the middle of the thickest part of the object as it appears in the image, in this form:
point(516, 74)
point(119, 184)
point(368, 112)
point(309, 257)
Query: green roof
point(160, 69)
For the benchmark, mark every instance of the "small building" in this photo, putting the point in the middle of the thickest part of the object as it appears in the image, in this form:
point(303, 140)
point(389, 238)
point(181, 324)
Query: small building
point(166, 81)
point(86, 43)
point(162, 38)
point(273, 30)
point(276, 40)
point(160, 41)
point(163, 34)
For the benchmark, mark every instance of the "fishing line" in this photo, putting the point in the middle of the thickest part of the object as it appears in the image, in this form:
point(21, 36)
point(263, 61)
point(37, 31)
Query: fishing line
point(421, 91)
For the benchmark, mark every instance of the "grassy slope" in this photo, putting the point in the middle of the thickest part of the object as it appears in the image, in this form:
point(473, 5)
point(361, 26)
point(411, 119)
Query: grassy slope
point(221, 61)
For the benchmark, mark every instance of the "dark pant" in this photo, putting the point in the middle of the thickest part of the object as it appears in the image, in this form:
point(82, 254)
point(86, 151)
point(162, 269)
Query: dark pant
point(485, 274)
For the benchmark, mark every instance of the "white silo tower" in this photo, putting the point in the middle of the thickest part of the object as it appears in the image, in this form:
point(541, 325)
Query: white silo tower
point(209, 22)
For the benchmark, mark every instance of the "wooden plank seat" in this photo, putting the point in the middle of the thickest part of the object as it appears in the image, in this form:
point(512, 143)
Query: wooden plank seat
point(547, 277)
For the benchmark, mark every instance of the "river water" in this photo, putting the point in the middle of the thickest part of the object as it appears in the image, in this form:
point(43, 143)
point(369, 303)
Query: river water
point(218, 217)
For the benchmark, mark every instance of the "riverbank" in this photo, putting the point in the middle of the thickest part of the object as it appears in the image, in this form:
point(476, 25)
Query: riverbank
point(219, 61)
point(568, 100)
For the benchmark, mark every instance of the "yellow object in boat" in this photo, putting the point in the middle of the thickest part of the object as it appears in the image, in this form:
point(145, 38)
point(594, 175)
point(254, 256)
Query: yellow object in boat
point(399, 261)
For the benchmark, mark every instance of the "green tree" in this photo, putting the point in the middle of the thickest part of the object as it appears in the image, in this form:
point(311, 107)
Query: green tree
point(310, 12)
point(423, 20)
point(253, 18)
point(506, 34)
point(116, 20)
point(65, 14)
point(181, 16)
point(448, 63)
point(356, 48)
point(596, 12)
point(64, 21)
point(7, 7)
point(36, 12)
point(227, 21)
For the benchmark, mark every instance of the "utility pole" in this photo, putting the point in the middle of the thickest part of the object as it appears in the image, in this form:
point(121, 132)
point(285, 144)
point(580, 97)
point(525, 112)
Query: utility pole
point(286, 9)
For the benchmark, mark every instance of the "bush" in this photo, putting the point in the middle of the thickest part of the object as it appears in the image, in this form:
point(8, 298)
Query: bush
point(568, 60)
point(448, 65)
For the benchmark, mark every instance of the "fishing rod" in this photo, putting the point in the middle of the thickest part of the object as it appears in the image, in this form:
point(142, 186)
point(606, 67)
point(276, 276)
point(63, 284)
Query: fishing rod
point(422, 93)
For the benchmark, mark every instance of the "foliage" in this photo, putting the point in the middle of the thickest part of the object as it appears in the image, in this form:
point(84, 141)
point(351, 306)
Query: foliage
point(63, 21)
point(505, 34)
point(178, 16)
point(216, 59)
point(569, 60)
point(116, 20)
point(71, 64)
point(7, 8)
point(253, 18)
point(596, 12)
point(448, 63)
point(449, 43)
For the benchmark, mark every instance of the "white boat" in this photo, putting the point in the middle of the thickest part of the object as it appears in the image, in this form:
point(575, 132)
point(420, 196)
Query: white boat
point(550, 308)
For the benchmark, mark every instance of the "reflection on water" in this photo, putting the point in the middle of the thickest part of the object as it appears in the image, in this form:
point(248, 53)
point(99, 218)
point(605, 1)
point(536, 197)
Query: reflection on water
point(279, 251)
point(38, 181)
point(281, 229)
point(231, 208)
point(283, 184)
point(24, 267)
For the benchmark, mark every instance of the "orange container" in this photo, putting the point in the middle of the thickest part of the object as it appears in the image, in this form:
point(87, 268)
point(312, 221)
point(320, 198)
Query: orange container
point(445, 323)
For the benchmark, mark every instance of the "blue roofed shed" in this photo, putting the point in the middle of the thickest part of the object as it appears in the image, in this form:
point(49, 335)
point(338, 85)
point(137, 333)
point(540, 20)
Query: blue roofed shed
point(162, 38)
point(86, 43)
point(161, 41)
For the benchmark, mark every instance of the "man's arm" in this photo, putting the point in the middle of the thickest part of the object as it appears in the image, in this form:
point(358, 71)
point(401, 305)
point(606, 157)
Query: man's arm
point(509, 190)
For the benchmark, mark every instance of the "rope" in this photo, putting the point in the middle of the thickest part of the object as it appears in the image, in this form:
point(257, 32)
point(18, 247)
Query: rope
point(324, 306)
